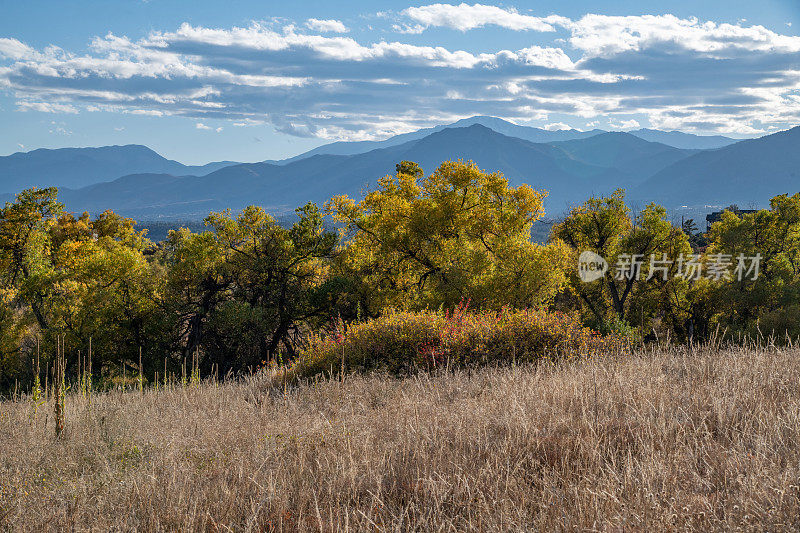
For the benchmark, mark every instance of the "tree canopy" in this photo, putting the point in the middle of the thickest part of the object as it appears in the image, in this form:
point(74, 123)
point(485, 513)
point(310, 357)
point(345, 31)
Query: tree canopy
point(418, 242)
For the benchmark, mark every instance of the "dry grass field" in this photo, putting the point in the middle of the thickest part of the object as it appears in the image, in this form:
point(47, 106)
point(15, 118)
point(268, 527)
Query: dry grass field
point(664, 440)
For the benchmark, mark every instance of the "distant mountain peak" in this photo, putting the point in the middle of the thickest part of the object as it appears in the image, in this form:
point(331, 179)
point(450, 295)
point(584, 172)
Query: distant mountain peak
point(749, 171)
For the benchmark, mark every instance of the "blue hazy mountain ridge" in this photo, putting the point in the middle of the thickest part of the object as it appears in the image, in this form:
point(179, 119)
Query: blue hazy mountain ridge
point(679, 139)
point(497, 124)
point(570, 171)
point(676, 139)
point(633, 157)
point(747, 173)
point(79, 167)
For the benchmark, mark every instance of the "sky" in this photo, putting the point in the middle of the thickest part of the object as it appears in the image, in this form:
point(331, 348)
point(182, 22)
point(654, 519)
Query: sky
point(248, 81)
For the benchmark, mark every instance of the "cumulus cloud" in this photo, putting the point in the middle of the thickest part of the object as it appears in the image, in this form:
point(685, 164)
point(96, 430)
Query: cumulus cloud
point(602, 35)
point(331, 25)
point(557, 126)
point(678, 73)
point(624, 124)
point(466, 17)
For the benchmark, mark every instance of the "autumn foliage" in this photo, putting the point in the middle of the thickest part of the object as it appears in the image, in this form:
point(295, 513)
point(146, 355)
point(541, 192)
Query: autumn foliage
point(402, 342)
point(376, 282)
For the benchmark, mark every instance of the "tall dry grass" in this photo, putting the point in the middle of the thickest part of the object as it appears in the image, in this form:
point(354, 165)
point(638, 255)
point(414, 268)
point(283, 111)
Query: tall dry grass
point(656, 441)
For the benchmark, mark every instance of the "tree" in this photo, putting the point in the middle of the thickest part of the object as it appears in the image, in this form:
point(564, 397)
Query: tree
point(25, 248)
point(689, 226)
point(741, 302)
point(104, 287)
point(245, 290)
point(419, 242)
point(75, 279)
point(24, 258)
point(642, 253)
point(197, 283)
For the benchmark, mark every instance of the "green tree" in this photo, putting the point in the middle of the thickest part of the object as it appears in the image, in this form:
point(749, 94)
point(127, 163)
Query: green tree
point(643, 254)
point(104, 287)
point(740, 302)
point(72, 278)
point(25, 249)
point(246, 290)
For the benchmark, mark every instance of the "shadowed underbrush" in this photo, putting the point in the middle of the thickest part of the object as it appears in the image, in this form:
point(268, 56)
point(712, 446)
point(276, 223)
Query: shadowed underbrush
point(667, 439)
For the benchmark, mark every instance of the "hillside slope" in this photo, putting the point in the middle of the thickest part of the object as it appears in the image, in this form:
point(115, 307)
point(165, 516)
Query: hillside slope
point(750, 171)
point(79, 167)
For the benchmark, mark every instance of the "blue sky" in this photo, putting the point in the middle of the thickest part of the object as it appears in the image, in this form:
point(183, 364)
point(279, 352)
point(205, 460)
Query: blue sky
point(248, 81)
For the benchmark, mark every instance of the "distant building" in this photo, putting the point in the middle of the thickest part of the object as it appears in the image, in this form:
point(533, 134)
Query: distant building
point(717, 215)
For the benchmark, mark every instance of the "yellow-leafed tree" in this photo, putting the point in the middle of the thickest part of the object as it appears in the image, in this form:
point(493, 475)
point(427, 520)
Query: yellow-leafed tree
point(459, 233)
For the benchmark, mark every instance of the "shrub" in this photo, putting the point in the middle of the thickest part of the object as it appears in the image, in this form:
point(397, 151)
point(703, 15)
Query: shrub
point(780, 324)
point(403, 342)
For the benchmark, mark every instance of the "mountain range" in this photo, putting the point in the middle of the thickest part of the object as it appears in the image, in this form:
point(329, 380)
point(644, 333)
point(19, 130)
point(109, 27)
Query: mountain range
point(79, 167)
point(675, 139)
point(748, 172)
point(672, 168)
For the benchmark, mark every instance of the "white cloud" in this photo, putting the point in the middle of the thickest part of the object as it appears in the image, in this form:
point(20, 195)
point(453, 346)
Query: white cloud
point(623, 124)
point(602, 35)
point(466, 17)
point(332, 26)
point(46, 107)
point(147, 112)
point(14, 49)
point(557, 126)
point(201, 126)
point(678, 73)
point(413, 29)
point(259, 37)
point(59, 128)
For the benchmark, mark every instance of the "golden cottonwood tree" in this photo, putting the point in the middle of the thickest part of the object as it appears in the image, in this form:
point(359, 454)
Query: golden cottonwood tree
point(24, 260)
point(458, 233)
point(77, 278)
point(103, 286)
